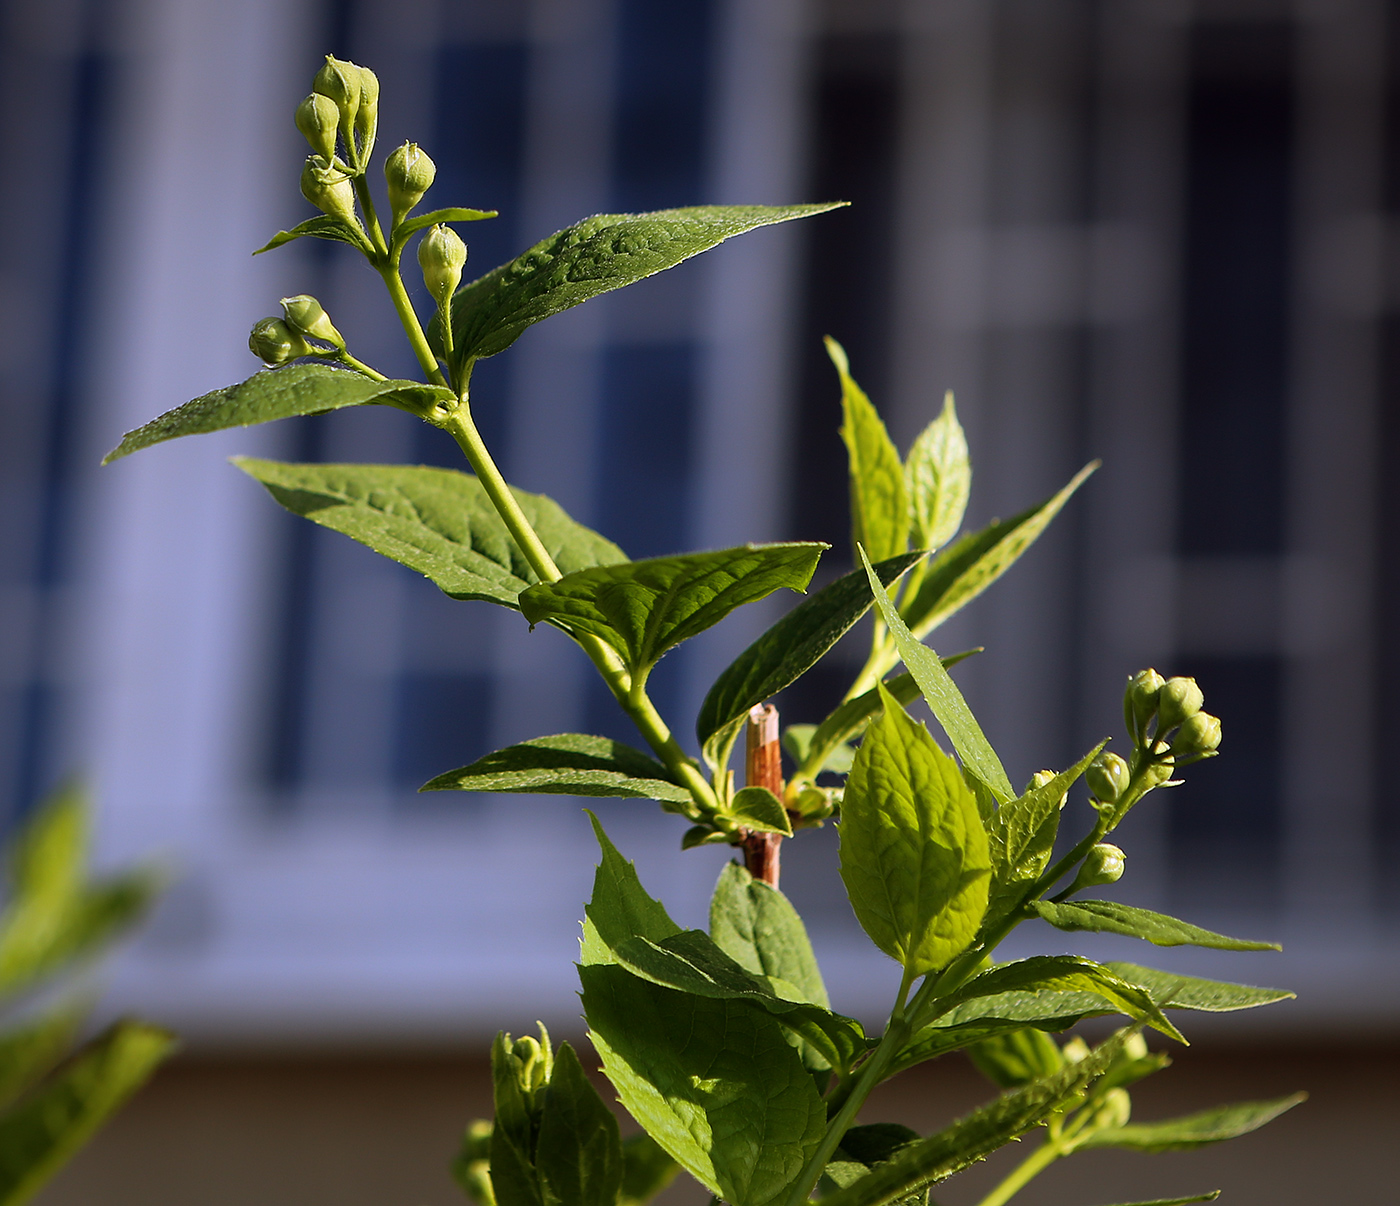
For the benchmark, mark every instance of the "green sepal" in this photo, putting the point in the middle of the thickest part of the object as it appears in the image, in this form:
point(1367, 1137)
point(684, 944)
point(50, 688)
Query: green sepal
point(646, 1170)
point(937, 480)
point(571, 764)
point(913, 849)
point(453, 214)
point(438, 522)
point(1110, 917)
point(759, 809)
point(40, 1134)
point(601, 253)
point(1194, 1130)
point(792, 646)
point(964, 570)
point(321, 227)
point(644, 608)
point(282, 393)
point(879, 503)
point(979, 1133)
point(943, 696)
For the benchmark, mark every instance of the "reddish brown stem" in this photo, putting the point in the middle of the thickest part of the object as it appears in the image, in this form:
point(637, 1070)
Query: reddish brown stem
point(763, 767)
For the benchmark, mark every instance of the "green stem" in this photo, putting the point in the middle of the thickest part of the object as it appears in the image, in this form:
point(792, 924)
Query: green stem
point(345, 358)
point(414, 329)
point(371, 218)
point(1034, 1164)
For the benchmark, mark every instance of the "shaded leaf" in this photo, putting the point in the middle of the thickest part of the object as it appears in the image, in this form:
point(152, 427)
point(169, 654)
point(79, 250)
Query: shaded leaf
point(865, 1147)
point(1110, 917)
point(1017, 1058)
point(579, 1153)
point(937, 480)
point(979, 1133)
point(1173, 991)
point(282, 393)
point(759, 809)
point(572, 764)
point(321, 227)
point(591, 257)
point(964, 570)
point(452, 214)
point(792, 646)
point(646, 1170)
point(438, 522)
point(644, 608)
point(31, 1051)
point(943, 697)
point(713, 1081)
point(879, 504)
point(913, 850)
point(43, 1131)
point(1194, 1130)
point(756, 926)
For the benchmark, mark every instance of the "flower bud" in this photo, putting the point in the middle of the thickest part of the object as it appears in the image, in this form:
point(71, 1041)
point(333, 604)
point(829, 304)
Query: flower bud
point(273, 342)
point(1199, 734)
point(1134, 1047)
point(1140, 699)
point(1107, 777)
point(1040, 779)
point(340, 80)
point(472, 1165)
point(1113, 1111)
point(1075, 1050)
point(329, 190)
point(442, 255)
point(367, 116)
point(409, 173)
point(304, 314)
point(317, 118)
point(1178, 699)
point(1102, 865)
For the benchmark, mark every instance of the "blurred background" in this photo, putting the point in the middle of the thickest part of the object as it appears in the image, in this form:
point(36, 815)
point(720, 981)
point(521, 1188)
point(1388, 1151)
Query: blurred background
point(1160, 232)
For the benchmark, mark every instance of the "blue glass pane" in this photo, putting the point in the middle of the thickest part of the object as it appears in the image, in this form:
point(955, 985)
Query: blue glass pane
point(444, 722)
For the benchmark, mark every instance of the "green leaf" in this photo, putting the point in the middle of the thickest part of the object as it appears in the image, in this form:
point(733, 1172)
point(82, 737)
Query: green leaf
point(320, 227)
point(943, 697)
point(619, 908)
point(1021, 835)
point(863, 1148)
point(571, 764)
point(579, 1154)
point(1042, 974)
point(937, 480)
point(423, 221)
point(1017, 1058)
point(644, 608)
point(759, 809)
point(646, 1170)
point(1198, 1197)
point(964, 570)
point(1173, 991)
point(792, 646)
point(979, 1133)
point(298, 389)
point(913, 850)
point(756, 926)
point(30, 1052)
point(1194, 1130)
point(714, 1081)
point(39, 1135)
point(438, 522)
point(596, 255)
point(879, 504)
point(1110, 917)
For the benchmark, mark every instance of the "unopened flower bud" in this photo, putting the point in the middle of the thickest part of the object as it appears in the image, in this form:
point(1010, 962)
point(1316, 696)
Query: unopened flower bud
point(1075, 1050)
point(304, 314)
point(409, 173)
point(367, 116)
point(442, 255)
point(1140, 699)
point(329, 190)
point(1134, 1046)
point(273, 342)
point(1113, 1111)
point(340, 80)
point(1040, 779)
point(1102, 865)
point(1199, 734)
point(1107, 777)
point(317, 118)
point(1178, 699)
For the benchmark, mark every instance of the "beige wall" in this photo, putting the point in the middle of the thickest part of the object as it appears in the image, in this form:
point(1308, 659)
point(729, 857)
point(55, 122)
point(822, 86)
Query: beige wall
point(361, 1131)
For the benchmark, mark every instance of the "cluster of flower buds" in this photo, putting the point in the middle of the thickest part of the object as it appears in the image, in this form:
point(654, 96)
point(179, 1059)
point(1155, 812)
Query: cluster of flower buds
point(1165, 717)
point(409, 173)
point(344, 100)
point(279, 340)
